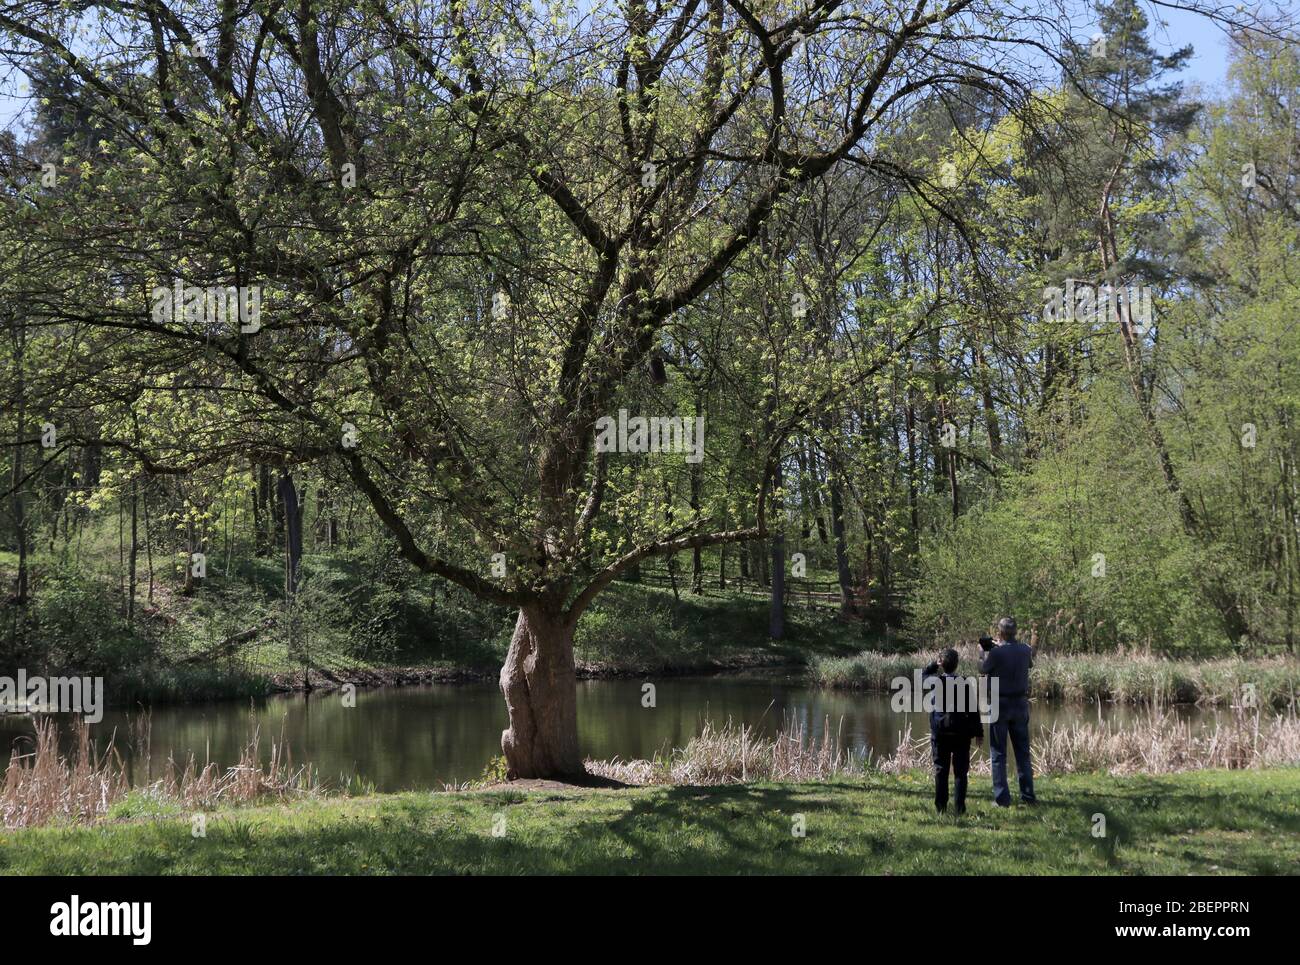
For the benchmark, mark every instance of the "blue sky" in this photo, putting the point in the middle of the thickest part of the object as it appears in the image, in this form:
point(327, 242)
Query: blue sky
point(1209, 65)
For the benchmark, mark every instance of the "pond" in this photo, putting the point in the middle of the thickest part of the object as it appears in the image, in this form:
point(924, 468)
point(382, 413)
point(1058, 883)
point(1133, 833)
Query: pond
point(401, 738)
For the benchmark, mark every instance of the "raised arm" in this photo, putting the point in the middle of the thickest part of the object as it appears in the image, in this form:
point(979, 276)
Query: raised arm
point(989, 663)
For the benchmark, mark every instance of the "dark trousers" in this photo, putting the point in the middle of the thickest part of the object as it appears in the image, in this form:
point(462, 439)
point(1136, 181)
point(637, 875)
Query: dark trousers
point(950, 754)
point(1013, 722)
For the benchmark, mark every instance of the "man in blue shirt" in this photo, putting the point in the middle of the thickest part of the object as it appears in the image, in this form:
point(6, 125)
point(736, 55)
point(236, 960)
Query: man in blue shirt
point(1009, 661)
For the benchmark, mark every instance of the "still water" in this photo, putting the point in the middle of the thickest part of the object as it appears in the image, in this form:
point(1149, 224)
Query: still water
point(423, 737)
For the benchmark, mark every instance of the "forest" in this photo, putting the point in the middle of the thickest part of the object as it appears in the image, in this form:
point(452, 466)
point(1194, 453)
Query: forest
point(365, 335)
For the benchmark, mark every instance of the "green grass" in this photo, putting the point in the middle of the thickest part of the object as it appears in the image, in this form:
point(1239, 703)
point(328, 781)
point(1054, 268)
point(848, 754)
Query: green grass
point(1207, 822)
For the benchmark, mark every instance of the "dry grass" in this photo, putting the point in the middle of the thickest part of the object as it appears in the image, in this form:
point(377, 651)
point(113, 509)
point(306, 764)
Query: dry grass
point(1160, 743)
point(46, 786)
point(734, 754)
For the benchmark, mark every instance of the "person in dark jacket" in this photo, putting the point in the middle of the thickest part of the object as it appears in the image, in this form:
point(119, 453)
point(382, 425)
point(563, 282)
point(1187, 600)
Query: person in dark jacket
point(1009, 661)
point(951, 731)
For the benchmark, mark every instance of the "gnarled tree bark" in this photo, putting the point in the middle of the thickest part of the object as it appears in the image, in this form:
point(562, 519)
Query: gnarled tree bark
point(540, 688)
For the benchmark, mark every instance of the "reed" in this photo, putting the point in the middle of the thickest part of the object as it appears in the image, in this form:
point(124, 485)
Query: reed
point(1130, 677)
point(1158, 743)
point(47, 786)
point(733, 754)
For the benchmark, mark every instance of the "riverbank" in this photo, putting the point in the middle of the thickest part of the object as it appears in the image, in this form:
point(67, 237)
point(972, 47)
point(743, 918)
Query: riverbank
point(227, 642)
point(187, 684)
point(326, 679)
point(1270, 682)
point(235, 638)
point(216, 647)
point(1202, 822)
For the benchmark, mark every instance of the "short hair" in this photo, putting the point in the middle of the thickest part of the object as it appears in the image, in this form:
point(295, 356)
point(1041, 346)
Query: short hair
point(949, 660)
point(1007, 625)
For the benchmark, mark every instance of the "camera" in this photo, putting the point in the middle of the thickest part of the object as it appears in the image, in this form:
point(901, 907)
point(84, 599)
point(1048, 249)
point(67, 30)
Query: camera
point(986, 643)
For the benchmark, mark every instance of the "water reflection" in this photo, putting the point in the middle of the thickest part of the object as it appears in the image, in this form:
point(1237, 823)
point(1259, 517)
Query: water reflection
point(423, 737)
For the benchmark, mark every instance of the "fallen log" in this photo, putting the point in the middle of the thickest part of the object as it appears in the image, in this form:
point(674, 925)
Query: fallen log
point(231, 644)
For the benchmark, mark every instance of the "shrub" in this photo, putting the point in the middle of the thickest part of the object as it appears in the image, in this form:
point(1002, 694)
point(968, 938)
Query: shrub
point(76, 625)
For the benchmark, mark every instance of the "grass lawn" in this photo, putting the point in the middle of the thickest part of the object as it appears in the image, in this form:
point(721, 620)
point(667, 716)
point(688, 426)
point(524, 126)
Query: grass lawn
point(1208, 822)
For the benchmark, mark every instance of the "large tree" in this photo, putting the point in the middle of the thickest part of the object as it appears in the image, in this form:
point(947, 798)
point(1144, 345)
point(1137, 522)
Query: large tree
point(476, 230)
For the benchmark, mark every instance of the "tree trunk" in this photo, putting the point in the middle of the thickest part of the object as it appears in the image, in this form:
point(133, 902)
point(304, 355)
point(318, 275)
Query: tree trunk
point(327, 523)
point(187, 586)
point(697, 485)
point(1220, 594)
point(912, 494)
point(541, 692)
point(293, 534)
point(121, 549)
point(135, 545)
point(148, 541)
point(934, 416)
point(843, 574)
point(1290, 535)
point(20, 519)
point(950, 465)
point(805, 522)
point(672, 557)
point(991, 425)
point(261, 510)
point(835, 484)
point(776, 608)
point(275, 504)
point(815, 491)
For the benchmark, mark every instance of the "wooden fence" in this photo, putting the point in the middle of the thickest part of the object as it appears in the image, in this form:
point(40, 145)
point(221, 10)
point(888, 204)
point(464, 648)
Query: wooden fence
point(800, 592)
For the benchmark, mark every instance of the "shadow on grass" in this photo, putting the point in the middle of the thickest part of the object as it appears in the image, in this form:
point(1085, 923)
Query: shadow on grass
point(877, 825)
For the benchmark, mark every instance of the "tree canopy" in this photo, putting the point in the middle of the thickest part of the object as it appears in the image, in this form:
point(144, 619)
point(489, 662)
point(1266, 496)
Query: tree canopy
point(427, 254)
